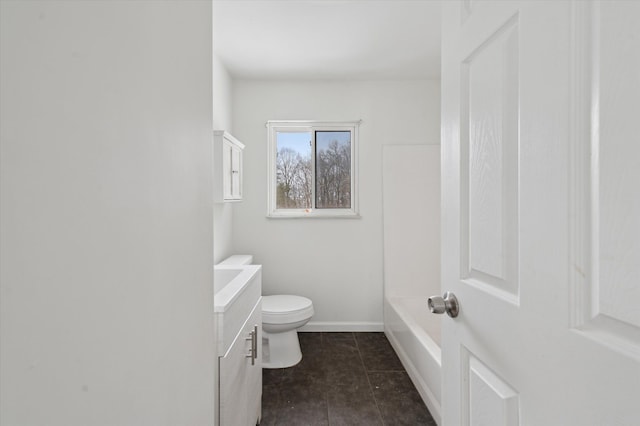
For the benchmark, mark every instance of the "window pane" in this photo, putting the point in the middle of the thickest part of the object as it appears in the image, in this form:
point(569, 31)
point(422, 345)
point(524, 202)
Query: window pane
point(293, 170)
point(333, 169)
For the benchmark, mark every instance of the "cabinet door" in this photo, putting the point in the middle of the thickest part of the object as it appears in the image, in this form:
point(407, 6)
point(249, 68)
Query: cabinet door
point(254, 372)
point(236, 173)
point(227, 167)
point(233, 370)
point(227, 170)
point(241, 382)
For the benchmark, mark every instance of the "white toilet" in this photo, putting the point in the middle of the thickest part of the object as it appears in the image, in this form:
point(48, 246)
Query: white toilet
point(282, 315)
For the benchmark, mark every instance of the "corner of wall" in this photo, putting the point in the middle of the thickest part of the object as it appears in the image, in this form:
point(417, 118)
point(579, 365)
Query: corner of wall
point(222, 120)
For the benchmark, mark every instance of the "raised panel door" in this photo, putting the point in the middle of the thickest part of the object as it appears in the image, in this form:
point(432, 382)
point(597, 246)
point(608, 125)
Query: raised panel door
point(541, 212)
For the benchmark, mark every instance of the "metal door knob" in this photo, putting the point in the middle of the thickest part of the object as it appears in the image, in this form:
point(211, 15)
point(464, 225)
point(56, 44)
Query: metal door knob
point(448, 304)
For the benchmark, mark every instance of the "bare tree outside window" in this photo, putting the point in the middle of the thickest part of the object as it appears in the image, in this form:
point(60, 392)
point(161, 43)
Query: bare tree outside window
point(333, 169)
point(293, 171)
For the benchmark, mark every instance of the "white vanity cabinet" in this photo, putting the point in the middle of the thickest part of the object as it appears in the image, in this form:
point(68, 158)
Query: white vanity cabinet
point(227, 167)
point(238, 313)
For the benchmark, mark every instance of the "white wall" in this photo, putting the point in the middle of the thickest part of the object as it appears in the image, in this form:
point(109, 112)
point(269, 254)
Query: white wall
point(222, 94)
point(222, 120)
point(106, 295)
point(335, 262)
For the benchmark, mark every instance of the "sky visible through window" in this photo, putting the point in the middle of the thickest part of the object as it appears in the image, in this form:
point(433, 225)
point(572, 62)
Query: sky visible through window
point(323, 139)
point(300, 142)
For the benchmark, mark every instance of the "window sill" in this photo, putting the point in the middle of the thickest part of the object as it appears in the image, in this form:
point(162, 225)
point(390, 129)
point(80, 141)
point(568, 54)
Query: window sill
point(314, 214)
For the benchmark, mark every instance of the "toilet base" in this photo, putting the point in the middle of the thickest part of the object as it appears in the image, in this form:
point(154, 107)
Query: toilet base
point(280, 350)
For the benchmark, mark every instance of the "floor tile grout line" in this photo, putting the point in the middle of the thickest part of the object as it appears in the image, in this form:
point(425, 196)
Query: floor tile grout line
point(366, 373)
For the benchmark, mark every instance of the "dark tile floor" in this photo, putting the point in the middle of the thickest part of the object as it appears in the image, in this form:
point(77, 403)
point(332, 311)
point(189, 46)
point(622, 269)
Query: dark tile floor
point(343, 379)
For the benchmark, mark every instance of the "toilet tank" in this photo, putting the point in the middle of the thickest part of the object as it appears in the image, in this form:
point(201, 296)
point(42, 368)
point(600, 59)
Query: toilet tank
point(238, 259)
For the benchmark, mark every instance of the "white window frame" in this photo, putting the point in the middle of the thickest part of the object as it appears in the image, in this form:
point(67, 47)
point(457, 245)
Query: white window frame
point(275, 126)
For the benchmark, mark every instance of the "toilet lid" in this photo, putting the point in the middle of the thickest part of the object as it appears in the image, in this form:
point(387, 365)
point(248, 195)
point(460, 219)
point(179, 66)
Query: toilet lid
point(284, 304)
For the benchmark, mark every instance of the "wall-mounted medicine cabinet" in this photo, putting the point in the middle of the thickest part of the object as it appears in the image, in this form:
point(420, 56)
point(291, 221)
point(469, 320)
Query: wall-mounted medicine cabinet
point(227, 167)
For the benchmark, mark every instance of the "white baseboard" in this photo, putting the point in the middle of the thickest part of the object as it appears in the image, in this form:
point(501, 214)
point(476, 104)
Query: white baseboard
point(329, 326)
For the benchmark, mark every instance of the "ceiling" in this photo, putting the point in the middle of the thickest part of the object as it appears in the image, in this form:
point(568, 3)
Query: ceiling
point(328, 39)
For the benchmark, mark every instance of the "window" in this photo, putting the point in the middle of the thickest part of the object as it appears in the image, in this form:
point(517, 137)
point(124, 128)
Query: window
point(312, 169)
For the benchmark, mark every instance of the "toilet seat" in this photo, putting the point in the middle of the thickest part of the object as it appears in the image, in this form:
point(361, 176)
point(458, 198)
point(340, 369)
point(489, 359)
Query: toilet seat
point(284, 309)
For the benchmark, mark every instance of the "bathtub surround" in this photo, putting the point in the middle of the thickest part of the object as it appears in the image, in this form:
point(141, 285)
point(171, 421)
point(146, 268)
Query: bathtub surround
point(411, 192)
point(411, 211)
point(337, 263)
point(106, 258)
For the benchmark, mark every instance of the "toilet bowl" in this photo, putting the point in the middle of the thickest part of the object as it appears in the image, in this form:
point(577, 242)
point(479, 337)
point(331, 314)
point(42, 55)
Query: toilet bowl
point(282, 315)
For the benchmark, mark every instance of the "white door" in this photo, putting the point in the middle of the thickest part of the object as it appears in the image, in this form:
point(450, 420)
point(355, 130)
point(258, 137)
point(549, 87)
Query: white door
point(541, 212)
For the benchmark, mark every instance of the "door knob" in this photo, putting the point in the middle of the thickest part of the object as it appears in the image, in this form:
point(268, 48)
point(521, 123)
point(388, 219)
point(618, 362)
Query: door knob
point(448, 304)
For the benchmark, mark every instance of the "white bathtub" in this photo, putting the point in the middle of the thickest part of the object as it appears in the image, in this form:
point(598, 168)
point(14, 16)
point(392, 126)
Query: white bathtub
point(414, 333)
